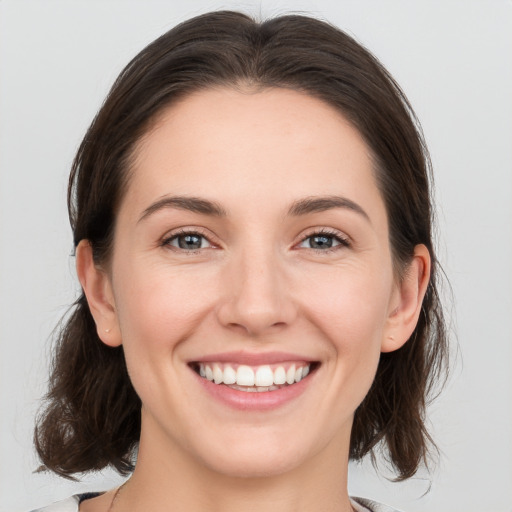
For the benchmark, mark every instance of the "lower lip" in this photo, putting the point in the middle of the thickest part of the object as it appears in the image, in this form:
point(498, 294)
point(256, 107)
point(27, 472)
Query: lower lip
point(255, 401)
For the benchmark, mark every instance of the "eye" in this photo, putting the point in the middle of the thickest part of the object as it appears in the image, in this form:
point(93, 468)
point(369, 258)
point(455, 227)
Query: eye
point(324, 241)
point(188, 241)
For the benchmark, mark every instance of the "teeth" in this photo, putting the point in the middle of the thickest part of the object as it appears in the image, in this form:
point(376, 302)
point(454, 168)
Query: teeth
point(279, 376)
point(261, 378)
point(290, 374)
point(254, 389)
point(245, 376)
point(229, 375)
point(218, 374)
point(264, 376)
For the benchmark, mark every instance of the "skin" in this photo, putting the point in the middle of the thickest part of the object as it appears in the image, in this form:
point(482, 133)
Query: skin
point(256, 285)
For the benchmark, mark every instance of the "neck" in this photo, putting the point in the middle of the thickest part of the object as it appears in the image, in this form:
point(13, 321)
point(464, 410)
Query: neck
point(170, 479)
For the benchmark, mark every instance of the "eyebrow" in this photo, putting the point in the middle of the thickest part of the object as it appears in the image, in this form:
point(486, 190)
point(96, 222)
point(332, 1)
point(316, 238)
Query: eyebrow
point(192, 204)
point(206, 207)
point(321, 204)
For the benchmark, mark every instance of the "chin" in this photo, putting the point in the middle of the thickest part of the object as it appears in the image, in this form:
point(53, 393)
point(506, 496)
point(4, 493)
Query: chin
point(244, 466)
point(255, 456)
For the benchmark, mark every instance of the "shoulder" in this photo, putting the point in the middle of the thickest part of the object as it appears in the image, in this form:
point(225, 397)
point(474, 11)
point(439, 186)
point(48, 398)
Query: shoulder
point(67, 505)
point(70, 504)
point(365, 505)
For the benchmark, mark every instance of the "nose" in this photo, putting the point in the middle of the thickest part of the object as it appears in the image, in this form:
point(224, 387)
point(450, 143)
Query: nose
point(257, 298)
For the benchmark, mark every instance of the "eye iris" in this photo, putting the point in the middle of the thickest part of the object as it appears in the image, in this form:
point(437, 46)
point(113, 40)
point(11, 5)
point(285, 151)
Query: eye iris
point(321, 242)
point(189, 242)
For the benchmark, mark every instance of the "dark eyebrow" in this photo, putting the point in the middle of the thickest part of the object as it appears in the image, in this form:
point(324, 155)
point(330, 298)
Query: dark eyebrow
point(207, 207)
point(321, 204)
point(193, 204)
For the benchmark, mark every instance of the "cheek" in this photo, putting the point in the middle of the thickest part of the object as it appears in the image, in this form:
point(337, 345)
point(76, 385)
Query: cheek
point(351, 313)
point(348, 314)
point(350, 307)
point(159, 306)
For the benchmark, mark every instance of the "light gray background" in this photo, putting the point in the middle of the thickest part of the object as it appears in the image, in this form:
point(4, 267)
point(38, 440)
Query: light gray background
point(453, 59)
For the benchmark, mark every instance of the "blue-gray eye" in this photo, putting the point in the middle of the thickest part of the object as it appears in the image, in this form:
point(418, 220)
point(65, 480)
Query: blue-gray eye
point(189, 241)
point(322, 241)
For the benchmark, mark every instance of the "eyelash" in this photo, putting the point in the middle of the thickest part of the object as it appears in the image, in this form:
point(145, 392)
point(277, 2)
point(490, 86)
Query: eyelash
point(343, 241)
point(166, 242)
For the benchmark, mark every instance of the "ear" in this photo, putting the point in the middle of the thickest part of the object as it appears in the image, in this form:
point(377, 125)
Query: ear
point(407, 301)
point(97, 287)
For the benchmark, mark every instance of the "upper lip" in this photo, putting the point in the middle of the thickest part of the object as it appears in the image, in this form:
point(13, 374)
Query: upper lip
point(252, 359)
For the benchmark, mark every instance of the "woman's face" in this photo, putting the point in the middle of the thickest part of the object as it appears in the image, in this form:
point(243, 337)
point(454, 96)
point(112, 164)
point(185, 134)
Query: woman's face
point(252, 243)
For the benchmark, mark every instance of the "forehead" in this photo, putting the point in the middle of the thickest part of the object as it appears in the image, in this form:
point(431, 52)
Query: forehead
point(271, 145)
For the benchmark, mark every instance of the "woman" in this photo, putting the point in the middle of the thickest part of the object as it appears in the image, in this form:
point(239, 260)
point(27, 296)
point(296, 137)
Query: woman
point(252, 223)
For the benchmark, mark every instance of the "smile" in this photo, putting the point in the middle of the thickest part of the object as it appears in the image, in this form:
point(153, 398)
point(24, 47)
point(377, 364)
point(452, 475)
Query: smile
point(254, 378)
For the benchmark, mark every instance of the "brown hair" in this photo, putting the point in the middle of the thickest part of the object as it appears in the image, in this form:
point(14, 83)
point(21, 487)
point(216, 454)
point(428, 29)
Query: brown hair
point(92, 415)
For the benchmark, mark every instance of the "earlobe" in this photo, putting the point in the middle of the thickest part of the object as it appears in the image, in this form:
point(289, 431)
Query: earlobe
point(97, 287)
point(406, 309)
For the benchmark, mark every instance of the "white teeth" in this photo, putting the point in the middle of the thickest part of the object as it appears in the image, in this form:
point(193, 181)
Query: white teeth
point(290, 374)
point(218, 374)
point(279, 376)
point(264, 376)
point(254, 389)
point(245, 376)
point(261, 378)
point(229, 375)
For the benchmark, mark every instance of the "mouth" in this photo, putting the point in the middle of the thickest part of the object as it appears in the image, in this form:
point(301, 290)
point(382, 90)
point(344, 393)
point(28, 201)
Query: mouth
point(254, 379)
